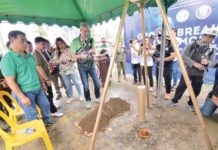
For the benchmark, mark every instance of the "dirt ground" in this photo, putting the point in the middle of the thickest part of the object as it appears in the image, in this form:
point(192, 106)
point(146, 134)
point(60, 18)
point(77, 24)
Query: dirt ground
point(173, 128)
point(112, 108)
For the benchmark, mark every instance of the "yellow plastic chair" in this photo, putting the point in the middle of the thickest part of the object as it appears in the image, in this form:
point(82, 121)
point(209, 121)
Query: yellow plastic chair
point(39, 112)
point(13, 112)
point(17, 110)
point(19, 137)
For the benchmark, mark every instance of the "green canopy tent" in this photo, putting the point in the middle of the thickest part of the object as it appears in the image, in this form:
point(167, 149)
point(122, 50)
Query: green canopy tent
point(65, 12)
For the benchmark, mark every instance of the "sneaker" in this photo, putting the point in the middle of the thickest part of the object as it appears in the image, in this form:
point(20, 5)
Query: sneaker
point(69, 100)
point(57, 114)
point(97, 100)
point(48, 123)
point(81, 98)
point(151, 89)
point(57, 105)
point(171, 104)
point(167, 97)
point(191, 108)
point(88, 104)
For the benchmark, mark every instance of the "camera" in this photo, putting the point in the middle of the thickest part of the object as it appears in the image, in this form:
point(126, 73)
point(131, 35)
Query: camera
point(156, 54)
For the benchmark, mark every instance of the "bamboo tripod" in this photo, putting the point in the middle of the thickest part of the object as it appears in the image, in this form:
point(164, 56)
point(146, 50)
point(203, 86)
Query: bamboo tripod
point(181, 63)
point(185, 75)
point(91, 147)
point(141, 7)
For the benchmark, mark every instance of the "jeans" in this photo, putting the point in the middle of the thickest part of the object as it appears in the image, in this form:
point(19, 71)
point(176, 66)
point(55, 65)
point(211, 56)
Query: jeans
point(167, 74)
point(84, 77)
point(67, 80)
point(196, 82)
point(36, 97)
point(136, 72)
point(216, 77)
point(176, 72)
point(208, 108)
point(149, 75)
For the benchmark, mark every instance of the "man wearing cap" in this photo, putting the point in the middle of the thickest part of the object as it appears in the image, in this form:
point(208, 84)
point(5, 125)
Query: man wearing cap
point(197, 56)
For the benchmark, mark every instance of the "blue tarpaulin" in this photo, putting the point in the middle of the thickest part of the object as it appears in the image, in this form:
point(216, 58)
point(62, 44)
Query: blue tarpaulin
point(189, 17)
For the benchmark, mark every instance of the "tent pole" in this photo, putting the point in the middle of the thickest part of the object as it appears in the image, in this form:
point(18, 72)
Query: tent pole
point(185, 75)
point(161, 66)
point(141, 7)
point(105, 89)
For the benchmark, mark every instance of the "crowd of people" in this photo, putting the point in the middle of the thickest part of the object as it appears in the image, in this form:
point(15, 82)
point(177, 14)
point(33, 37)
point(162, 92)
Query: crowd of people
point(30, 72)
point(153, 49)
point(198, 56)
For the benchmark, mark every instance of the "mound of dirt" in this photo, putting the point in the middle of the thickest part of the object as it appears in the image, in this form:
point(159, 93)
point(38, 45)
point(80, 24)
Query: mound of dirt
point(111, 109)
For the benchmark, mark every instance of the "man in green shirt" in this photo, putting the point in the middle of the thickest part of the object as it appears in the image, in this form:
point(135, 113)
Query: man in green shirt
point(82, 49)
point(104, 47)
point(19, 70)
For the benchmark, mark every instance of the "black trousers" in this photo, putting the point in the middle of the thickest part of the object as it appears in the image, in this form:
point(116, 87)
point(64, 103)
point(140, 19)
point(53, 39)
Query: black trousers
point(167, 74)
point(149, 75)
point(196, 82)
point(136, 72)
point(49, 95)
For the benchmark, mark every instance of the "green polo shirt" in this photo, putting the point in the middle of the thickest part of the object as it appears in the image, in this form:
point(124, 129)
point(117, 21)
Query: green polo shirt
point(103, 47)
point(78, 47)
point(24, 70)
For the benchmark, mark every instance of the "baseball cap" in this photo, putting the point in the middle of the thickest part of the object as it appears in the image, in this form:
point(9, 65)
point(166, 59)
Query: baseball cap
point(210, 31)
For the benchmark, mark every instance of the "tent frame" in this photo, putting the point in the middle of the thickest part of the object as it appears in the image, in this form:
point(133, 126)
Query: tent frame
point(180, 60)
point(105, 89)
point(141, 7)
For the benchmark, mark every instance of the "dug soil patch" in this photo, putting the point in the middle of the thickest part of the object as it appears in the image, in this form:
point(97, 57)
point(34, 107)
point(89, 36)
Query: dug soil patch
point(111, 109)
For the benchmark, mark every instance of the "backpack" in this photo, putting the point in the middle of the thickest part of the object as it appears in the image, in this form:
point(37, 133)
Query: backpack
point(195, 47)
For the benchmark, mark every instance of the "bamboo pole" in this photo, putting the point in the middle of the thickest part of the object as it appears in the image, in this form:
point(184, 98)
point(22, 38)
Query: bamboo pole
point(185, 75)
point(141, 103)
point(125, 8)
point(161, 65)
point(145, 54)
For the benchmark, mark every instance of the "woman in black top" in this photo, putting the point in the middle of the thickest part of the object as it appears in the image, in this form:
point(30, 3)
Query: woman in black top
point(168, 61)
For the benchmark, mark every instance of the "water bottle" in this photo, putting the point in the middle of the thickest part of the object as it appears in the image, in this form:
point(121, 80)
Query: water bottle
point(29, 130)
point(26, 131)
